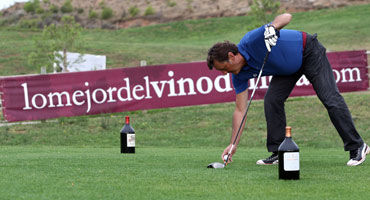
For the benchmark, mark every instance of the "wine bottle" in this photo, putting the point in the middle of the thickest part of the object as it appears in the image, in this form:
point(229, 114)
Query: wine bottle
point(127, 137)
point(288, 157)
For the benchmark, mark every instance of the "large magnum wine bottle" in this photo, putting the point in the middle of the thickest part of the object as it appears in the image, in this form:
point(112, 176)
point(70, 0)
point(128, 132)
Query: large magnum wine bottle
point(127, 138)
point(288, 157)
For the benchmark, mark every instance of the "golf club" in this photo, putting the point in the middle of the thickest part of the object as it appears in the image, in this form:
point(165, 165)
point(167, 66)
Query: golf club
point(226, 157)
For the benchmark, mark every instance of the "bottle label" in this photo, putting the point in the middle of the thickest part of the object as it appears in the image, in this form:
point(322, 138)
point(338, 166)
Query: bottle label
point(291, 161)
point(130, 140)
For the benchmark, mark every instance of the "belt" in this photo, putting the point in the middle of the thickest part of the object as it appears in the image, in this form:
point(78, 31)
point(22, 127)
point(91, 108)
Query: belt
point(304, 37)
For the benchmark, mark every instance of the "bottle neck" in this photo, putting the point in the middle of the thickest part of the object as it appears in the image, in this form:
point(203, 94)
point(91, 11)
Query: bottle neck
point(127, 120)
point(288, 132)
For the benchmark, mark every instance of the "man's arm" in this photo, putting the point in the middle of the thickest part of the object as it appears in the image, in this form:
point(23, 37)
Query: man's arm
point(240, 107)
point(281, 21)
point(272, 30)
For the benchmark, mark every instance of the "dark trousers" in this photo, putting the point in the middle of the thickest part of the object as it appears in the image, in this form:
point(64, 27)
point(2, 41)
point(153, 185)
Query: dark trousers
point(318, 71)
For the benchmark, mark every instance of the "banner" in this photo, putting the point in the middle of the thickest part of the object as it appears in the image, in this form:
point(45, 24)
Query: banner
point(36, 97)
point(350, 72)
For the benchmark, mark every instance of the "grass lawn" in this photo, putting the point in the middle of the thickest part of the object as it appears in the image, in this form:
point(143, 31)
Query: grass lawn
point(173, 173)
point(193, 126)
point(78, 157)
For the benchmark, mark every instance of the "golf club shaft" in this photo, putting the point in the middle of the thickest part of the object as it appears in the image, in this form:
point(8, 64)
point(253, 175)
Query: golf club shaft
point(249, 103)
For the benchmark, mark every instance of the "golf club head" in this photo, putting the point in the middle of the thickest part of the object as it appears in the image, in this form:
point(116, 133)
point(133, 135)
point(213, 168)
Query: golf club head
point(216, 165)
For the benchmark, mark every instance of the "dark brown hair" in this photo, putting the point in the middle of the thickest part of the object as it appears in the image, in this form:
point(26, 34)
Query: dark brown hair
point(219, 52)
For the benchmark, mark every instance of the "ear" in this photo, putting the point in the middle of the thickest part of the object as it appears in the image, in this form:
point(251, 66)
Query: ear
point(230, 55)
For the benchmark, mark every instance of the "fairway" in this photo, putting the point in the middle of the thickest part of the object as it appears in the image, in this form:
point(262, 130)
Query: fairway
point(173, 173)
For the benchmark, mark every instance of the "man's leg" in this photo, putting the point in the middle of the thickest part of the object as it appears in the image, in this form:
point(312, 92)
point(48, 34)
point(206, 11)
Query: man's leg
point(319, 72)
point(279, 89)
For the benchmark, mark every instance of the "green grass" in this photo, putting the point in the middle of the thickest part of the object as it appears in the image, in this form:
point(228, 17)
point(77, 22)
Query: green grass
point(172, 173)
point(78, 157)
point(196, 126)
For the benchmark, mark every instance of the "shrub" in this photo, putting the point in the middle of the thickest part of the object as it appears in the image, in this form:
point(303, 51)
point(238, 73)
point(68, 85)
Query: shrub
point(80, 10)
point(28, 7)
point(31, 6)
point(93, 14)
point(149, 11)
point(106, 13)
point(39, 10)
point(67, 7)
point(260, 8)
point(102, 4)
point(3, 22)
point(134, 11)
point(171, 3)
point(54, 9)
point(28, 23)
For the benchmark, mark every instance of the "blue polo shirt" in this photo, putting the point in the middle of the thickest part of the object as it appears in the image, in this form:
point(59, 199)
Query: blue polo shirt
point(285, 58)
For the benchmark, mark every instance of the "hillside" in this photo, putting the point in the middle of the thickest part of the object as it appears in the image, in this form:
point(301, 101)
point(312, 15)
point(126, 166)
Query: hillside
point(187, 41)
point(127, 13)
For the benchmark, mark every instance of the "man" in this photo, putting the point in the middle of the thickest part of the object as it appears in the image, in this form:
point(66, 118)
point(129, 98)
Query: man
point(293, 54)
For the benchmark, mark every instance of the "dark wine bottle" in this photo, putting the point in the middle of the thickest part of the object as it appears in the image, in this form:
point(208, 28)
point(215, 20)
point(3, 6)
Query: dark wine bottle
point(288, 157)
point(127, 137)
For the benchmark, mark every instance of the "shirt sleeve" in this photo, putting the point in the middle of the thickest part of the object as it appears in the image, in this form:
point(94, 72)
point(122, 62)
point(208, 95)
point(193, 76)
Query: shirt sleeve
point(239, 85)
point(257, 35)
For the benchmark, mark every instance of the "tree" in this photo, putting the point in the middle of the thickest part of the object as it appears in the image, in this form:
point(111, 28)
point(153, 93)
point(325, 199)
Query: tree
point(56, 38)
point(265, 10)
point(67, 7)
point(32, 6)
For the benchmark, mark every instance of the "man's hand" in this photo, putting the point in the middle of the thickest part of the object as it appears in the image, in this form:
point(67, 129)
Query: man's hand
point(226, 151)
point(270, 36)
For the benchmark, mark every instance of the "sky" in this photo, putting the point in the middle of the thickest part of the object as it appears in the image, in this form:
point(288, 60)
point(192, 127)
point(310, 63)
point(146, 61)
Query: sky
point(8, 3)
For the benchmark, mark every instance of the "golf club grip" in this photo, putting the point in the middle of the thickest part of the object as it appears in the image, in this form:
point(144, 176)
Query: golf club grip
point(228, 154)
point(250, 100)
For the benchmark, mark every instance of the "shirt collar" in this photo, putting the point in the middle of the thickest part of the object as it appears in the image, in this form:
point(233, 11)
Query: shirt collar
point(245, 55)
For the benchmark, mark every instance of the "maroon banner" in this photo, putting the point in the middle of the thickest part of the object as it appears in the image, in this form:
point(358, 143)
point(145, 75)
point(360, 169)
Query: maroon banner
point(116, 90)
point(350, 72)
point(47, 96)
